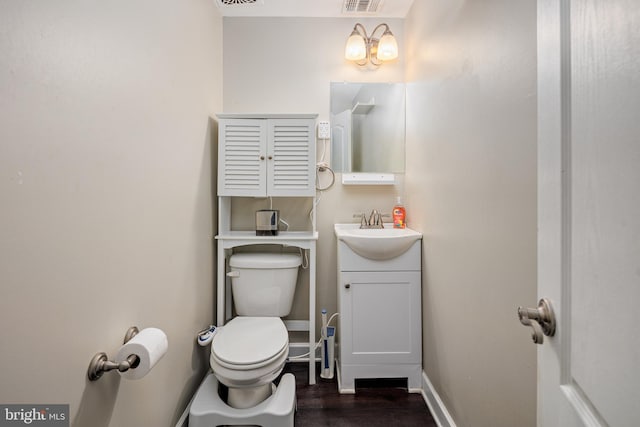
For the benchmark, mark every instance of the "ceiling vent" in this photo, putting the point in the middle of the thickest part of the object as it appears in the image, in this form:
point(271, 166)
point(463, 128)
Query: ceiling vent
point(225, 3)
point(361, 6)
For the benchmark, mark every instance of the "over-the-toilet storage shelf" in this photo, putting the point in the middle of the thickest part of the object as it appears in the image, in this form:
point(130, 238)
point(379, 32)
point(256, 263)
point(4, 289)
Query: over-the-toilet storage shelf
point(266, 155)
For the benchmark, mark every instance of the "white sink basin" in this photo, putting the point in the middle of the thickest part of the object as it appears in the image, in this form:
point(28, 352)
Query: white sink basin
point(377, 243)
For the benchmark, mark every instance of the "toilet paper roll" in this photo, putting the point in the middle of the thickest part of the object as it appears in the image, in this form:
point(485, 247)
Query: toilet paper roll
point(149, 345)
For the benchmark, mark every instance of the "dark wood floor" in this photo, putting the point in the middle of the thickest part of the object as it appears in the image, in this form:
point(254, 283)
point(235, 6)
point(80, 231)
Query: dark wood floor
point(376, 403)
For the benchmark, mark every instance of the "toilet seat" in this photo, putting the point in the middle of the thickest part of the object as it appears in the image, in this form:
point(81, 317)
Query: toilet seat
point(249, 351)
point(250, 342)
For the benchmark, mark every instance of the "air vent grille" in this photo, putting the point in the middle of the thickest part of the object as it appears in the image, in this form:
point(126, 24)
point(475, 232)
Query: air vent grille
point(238, 2)
point(361, 6)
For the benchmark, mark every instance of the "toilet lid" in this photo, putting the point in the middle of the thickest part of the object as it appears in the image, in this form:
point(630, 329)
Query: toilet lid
point(249, 340)
point(269, 261)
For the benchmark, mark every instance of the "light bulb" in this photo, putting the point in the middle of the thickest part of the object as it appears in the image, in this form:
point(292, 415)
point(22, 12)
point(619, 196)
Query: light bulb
point(356, 48)
point(387, 47)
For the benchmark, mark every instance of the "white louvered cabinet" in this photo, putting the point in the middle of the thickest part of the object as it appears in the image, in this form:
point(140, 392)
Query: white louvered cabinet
point(271, 155)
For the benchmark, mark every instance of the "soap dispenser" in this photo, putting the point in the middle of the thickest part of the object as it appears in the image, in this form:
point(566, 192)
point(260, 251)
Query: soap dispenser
point(399, 214)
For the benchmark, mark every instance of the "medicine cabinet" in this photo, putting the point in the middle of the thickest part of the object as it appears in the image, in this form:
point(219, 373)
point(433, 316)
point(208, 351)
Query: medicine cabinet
point(368, 131)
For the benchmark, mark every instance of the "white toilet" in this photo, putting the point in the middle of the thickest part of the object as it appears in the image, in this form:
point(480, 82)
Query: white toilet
point(250, 350)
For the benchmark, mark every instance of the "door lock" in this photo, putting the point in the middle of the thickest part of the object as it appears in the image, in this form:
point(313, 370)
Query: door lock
point(541, 319)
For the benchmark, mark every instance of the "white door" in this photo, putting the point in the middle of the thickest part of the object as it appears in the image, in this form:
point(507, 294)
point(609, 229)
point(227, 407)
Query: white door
point(589, 211)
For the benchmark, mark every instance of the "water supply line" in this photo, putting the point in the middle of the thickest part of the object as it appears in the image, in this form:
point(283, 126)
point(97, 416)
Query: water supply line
point(315, 347)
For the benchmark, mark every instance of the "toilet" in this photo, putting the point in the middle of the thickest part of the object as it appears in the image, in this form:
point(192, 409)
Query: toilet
point(250, 350)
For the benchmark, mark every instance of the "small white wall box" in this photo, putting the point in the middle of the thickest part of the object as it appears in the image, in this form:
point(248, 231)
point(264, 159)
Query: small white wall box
point(324, 129)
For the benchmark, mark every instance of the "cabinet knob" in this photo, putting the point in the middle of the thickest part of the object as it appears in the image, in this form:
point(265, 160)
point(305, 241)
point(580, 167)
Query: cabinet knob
point(347, 286)
point(270, 157)
point(261, 157)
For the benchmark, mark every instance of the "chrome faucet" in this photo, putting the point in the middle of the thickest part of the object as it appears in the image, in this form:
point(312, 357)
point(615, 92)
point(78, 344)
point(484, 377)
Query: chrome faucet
point(374, 221)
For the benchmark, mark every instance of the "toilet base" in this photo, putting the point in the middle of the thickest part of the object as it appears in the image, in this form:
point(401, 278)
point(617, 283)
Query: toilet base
point(209, 410)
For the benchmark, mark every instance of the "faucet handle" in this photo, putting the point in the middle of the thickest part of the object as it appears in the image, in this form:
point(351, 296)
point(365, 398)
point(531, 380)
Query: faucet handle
point(382, 216)
point(363, 219)
point(374, 218)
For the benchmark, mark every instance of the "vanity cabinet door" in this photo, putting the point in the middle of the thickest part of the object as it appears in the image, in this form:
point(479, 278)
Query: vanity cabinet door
point(380, 320)
point(266, 157)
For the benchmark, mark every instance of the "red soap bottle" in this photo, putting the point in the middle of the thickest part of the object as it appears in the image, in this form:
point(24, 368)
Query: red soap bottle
point(399, 215)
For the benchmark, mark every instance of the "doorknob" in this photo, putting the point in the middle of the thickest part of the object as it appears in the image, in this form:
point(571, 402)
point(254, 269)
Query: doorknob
point(541, 319)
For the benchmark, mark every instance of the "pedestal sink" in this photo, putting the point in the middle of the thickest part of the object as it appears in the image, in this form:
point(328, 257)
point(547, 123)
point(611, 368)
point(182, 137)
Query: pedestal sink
point(377, 243)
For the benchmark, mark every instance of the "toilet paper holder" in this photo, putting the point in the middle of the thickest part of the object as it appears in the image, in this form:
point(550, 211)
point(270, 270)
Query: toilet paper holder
point(100, 363)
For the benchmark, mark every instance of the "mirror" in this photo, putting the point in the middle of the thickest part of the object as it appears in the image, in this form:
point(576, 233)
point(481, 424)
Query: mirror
point(367, 127)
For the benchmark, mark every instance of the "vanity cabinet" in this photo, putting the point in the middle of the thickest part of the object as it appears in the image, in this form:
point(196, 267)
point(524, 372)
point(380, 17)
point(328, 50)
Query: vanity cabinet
point(380, 324)
point(266, 155)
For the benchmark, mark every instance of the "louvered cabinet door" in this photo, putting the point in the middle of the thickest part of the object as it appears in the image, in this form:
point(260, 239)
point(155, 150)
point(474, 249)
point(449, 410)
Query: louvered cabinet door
point(242, 148)
point(291, 157)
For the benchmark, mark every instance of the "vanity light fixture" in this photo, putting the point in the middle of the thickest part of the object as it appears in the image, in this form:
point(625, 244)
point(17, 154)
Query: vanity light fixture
point(362, 48)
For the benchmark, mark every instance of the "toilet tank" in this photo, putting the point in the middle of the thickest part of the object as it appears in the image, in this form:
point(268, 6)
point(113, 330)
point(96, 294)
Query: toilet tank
point(263, 284)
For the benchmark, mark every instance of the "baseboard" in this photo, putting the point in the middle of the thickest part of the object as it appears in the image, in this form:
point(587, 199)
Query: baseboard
point(436, 406)
point(183, 421)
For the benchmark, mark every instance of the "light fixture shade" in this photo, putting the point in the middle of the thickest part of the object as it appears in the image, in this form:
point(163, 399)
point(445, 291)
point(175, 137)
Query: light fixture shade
point(356, 48)
point(387, 47)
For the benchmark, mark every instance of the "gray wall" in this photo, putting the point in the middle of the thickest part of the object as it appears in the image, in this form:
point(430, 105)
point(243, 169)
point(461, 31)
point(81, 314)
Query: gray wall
point(105, 156)
point(106, 218)
point(470, 181)
point(471, 188)
point(295, 78)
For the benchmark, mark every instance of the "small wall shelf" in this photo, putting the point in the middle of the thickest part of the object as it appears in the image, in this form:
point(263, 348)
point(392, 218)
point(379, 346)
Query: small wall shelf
point(362, 108)
point(289, 238)
point(368, 178)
